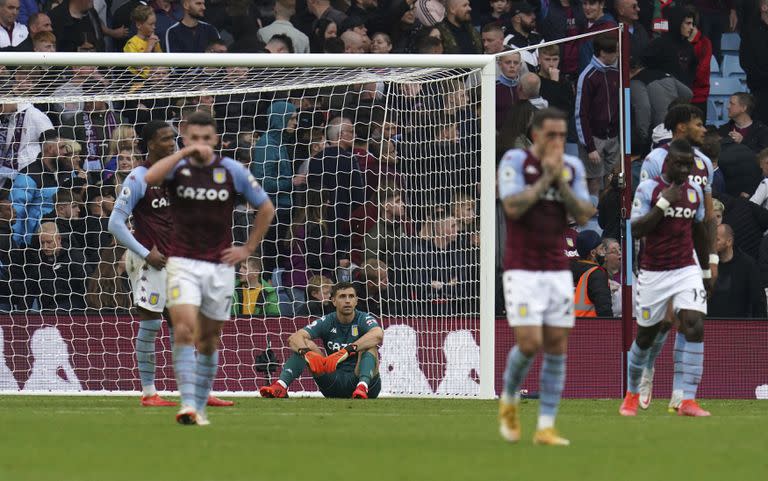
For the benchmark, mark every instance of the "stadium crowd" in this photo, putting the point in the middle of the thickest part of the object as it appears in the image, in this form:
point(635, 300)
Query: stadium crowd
point(389, 202)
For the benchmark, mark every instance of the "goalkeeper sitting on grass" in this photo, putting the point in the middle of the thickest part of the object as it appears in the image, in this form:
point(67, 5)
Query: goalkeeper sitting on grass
point(350, 337)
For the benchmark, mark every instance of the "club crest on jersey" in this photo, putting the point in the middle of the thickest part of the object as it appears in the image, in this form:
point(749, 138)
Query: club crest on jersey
point(354, 330)
point(126, 192)
point(219, 175)
point(699, 162)
point(646, 313)
point(153, 298)
point(691, 196)
point(569, 241)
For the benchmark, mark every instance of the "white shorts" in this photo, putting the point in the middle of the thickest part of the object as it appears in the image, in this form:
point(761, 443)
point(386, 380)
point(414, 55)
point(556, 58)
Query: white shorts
point(208, 285)
point(655, 289)
point(536, 298)
point(148, 284)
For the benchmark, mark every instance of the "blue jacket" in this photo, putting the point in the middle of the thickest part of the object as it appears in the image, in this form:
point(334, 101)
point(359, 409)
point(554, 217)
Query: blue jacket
point(27, 8)
point(271, 164)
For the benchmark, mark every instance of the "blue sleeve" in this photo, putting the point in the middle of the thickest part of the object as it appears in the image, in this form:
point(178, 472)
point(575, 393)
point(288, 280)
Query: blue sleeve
point(245, 183)
point(642, 203)
point(652, 165)
point(700, 210)
point(580, 180)
point(132, 191)
point(119, 229)
point(510, 176)
point(710, 173)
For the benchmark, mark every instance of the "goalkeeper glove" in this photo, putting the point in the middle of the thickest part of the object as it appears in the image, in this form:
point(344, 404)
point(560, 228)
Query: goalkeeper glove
point(315, 361)
point(333, 361)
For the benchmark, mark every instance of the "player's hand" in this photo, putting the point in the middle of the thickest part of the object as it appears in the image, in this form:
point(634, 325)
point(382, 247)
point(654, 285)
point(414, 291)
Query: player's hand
point(156, 259)
point(201, 152)
point(333, 361)
point(594, 157)
point(316, 362)
point(235, 255)
point(552, 160)
point(673, 193)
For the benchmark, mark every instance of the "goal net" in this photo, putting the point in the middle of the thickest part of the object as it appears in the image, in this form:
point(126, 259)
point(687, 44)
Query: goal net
point(377, 181)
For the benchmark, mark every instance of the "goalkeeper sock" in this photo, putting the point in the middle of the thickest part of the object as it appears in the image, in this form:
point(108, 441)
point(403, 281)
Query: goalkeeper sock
point(518, 365)
point(638, 359)
point(656, 347)
point(693, 367)
point(677, 355)
point(184, 365)
point(551, 382)
point(292, 369)
point(367, 366)
point(145, 355)
point(207, 365)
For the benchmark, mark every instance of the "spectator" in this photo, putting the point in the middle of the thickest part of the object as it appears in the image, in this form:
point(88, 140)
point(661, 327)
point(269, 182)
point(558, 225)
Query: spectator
point(565, 18)
point(92, 128)
point(78, 28)
point(523, 34)
point(356, 24)
point(318, 298)
point(280, 43)
point(12, 32)
point(107, 287)
point(371, 283)
point(612, 264)
point(322, 9)
point(741, 128)
point(353, 42)
point(753, 57)
point(122, 19)
point(719, 210)
point(145, 40)
point(593, 294)
point(672, 52)
point(167, 12)
point(44, 42)
point(597, 112)
point(57, 279)
point(702, 49)
point(738, 291)
point(381, 43)
point(458, 34)
point(492, 36)
point(381, 240)
point(284, 10)
point(11, 259)
point(85, 79)
point(66, 214)
point(741, 171)
point(427, 44)
point(21, 127)
point(506, 84)
point(323, 30)
point(123, 139)
point(748, 220)
point(515, 128)
point(628, 13)
point(27, 8)
point(497, 15)
point(711, 147)
point(191, 34)
point(254, 296)
point(716, 17)
point(597, 20)
point(760, 197)
point(37, 23)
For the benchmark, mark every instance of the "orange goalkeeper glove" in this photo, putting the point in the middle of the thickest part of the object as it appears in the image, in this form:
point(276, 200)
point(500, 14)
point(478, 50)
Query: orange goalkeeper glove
point(333, 361)
point(316, 361)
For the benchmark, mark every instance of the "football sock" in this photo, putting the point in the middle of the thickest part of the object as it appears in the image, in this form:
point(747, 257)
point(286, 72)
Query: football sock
point(677, 355)
point(693, 367)
point(551, 382)
point(367, 366)
point(656, 347)
point(292, 369)
point(145, 355)
point(207, 365)
point(518, 365)
point(184, 365)
point(638, 358)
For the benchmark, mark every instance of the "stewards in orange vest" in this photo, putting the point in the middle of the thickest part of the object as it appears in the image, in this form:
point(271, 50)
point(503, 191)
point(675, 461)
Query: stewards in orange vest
point(593, 295)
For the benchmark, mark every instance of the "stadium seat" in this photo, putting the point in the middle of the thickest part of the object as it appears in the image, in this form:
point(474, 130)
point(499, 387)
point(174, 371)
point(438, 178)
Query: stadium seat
point(732, 67)
point(714, 113)
point(720, 90)
point(730, 42)
point(724, 87)
point(714, 67)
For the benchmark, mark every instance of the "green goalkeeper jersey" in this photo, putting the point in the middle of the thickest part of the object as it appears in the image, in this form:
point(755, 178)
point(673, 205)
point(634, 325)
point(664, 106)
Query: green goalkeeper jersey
point(336, 335)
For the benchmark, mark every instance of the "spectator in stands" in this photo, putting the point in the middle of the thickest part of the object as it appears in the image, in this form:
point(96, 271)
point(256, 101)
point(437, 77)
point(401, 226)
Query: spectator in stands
point(121, 18)
point(354, 42)
point(716, 17)
point(280, 43)
point(719, 210)
point(381, 239)
point(191, 34)
point(738, 292)
point(66, 214)
point(318, 298)
point(510, 66)
point(711, 147)
point(85, 78)
point(318, 10)
point(57, 277)
point(565, 18)
point(628, 13)
point(672, 52)
point(514, 133)
point(593, 294)
point(107, 286)
point(381, 43)
point(371, 284)
point(493, 38)
point(38, 23)
point(12, 32)
point(597, 112)
point(322, 31)
point(44, 42)
point(254, 296)
point(702, 49)
point(741, 171)
point(523, 33)
point(442, 279)
point(748, 220)
point(458, 34)
point(753, 57)
point(21, 127)
point(92, 128)
point(145, 40)
point(10, 258)
point(597, 20)
point(427, 44)
point(167, 12)
point(741, 128)
point(760, 197)
point(78, 28)
point(284, 10)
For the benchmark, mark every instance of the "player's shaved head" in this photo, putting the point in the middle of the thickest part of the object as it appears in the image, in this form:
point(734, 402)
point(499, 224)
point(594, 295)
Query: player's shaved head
point(727, 231)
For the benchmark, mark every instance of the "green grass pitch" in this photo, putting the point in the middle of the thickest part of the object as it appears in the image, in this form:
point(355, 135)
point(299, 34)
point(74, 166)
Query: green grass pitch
point(111, 438)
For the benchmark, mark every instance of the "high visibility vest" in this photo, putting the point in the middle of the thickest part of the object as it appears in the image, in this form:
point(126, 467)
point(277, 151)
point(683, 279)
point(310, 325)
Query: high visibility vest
point(584, 305)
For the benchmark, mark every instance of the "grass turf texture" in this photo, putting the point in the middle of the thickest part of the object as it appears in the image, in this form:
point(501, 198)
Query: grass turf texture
point(110, 439)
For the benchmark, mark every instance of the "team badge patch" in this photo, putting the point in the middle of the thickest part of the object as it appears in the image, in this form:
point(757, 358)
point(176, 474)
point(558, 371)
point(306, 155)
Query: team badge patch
point(699, 162)
point(219, 175)
point(637, 203)
point(175, 293)
point(354, 330)
point(645, 312)
point(522, 310)
point(569, 241)
point(643, 174)
point(691, 196)
point(185, 172)
point(153, 298)
point(126, 192)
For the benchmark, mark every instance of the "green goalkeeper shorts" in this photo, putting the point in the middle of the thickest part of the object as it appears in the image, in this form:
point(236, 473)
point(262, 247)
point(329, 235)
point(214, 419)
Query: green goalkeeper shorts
point(341, 384)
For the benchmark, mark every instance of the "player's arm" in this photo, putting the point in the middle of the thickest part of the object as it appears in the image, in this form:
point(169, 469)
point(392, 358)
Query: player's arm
point(300, 341)
point(646, 216)
point(576, 198)
point(516, 197)
point(160, 170)
point(129, 196)
point(701, 243)
point(713, 260)
point(370, 339)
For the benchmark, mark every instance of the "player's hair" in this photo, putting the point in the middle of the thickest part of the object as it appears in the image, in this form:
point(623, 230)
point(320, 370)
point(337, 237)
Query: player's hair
point(681, 114)
point(717, 205)
point(710, 146)
point(201, 118)
point(149, 132)
point(763, 154)
point(746, 100)
point(551, 50)
point(141, 13)
point(492, 27)
point(605, 42)
point(680, 147)
point(340, 286)
point(549, 113)
point(41, 37)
